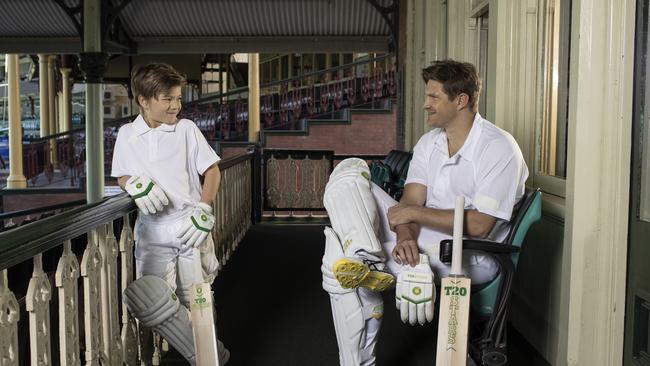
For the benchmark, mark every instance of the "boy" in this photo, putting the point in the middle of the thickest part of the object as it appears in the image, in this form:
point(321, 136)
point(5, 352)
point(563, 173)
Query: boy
point(157, 160)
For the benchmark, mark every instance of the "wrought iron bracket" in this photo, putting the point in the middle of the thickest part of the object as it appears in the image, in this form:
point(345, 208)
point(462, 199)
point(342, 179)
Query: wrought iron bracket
point(390, 14)
point(93, 65)
point(72, 14)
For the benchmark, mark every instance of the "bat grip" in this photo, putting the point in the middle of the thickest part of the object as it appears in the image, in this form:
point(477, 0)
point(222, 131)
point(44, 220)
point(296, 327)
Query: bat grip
point(457, 253)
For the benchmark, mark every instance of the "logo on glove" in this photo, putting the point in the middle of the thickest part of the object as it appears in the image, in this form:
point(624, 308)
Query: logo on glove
point(417, 290)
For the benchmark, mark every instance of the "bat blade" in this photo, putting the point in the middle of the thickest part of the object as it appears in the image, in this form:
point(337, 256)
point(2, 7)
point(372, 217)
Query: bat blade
point(454, 321)
point(203, 325)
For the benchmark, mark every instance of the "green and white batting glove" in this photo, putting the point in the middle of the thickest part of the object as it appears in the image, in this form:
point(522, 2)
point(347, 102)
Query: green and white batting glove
point(415, 293)
point(147, 195)
point(198, 226)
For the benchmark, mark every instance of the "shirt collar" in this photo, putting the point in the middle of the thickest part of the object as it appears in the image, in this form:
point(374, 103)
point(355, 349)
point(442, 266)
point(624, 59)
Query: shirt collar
point(467, 150)
point(141, 126)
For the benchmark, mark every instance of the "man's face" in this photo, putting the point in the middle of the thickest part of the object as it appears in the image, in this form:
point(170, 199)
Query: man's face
point(440, 110)
point(164, 108)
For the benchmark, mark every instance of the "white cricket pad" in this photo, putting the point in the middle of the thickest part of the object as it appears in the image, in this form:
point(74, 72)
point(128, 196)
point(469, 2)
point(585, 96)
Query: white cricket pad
point(153, 303)
point(333, 252)
point(357, 312)
point(357, 317)
point(352, 209)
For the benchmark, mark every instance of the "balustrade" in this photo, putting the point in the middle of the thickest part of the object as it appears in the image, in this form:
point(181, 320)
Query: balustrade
point(93, 259)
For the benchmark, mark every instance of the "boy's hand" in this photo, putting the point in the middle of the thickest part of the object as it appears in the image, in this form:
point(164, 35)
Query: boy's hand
point(147, 195)
point(197, 226)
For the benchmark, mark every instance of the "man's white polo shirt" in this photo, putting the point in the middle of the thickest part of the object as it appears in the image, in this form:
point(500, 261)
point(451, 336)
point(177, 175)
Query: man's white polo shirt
point(488, 170)
point(173, 156)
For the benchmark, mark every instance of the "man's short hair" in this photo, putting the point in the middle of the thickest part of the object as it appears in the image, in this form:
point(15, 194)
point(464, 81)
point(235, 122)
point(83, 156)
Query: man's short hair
point(154, 79)
point(456, 78)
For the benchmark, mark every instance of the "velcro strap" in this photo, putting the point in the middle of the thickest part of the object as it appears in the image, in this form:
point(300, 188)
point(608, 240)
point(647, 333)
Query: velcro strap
point(199, 227)
point(145, 192)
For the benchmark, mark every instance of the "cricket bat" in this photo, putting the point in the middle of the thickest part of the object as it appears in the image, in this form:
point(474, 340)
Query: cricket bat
point(203, 324)
point(454, 302)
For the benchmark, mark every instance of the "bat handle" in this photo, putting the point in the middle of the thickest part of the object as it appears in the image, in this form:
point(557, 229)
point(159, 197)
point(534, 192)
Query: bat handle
point(457, 251)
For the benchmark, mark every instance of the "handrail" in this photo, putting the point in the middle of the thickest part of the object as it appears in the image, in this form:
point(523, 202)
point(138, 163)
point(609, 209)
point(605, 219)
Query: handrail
point(24, 242)
point(332, 69)
point(110, 123)
point(233, 160)
point(35, 210)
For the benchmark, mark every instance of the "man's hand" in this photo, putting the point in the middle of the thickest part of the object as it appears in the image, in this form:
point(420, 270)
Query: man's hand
point(197, 226)
point(406, 250)
point(401, 214)
point(147, 195)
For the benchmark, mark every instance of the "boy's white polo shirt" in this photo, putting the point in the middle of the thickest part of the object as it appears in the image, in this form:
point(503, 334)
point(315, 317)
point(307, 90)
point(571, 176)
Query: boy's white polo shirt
point(488, 170)
point(173, 156)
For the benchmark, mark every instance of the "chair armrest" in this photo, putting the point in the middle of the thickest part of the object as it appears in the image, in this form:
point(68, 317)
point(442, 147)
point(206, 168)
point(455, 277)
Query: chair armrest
point(446, 247)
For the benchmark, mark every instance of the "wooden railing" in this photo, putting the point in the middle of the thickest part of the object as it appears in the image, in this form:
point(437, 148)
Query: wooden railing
point(90, 248)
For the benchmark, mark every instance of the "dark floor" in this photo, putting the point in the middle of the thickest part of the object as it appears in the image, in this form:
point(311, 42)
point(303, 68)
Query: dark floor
point(272, 310)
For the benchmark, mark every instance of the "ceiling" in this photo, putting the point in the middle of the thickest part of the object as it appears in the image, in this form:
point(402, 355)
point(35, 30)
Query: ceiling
point(202, 26)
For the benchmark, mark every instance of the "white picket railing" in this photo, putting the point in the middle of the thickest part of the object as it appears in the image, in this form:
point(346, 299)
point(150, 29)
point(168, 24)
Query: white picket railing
point(110, 334)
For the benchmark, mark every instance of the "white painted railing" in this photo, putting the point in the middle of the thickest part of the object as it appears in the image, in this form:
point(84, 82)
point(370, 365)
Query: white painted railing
point(102, 266)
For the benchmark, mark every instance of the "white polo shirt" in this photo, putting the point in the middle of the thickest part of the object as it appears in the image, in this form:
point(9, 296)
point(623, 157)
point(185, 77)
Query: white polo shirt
point(488, 170)
point(173, 156)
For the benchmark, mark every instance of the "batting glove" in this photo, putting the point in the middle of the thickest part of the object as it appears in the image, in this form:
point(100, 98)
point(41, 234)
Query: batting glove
point(197, 226)
point(147, 195)
point(415, 293)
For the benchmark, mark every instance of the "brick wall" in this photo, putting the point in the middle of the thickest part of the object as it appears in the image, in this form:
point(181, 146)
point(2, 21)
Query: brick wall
point(372, 133)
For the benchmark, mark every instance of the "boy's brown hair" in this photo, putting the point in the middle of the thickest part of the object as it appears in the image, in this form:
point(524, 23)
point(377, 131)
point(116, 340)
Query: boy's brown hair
point(151, 80)
point(456, 78)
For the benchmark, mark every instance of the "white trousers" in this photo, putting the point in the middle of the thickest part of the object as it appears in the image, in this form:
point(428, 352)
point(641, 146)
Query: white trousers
point(479, 268)
point(158, 252)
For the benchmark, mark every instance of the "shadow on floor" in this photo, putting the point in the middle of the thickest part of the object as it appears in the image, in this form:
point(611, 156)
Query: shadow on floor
point(272, 310)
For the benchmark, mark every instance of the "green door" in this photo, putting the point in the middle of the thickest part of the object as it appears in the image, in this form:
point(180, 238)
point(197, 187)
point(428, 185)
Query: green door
point(637, 320)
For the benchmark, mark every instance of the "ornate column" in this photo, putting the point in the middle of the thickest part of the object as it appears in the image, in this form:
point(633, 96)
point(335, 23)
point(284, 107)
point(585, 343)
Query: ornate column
point(253, 97)
point(16, 178)
point(43, 96)
point(51, 94)
point(66, 103)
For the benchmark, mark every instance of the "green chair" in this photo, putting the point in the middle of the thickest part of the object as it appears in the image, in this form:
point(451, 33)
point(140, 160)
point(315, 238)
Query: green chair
point(489, 303)
point(380, 173)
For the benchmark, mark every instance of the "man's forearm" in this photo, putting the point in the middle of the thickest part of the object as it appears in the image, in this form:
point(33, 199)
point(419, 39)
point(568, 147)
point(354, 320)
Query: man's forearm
point(439, 220)
point(211, 182)
point(477, 224)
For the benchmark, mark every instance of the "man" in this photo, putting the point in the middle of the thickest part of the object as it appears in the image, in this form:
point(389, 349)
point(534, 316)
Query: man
point(463, 154)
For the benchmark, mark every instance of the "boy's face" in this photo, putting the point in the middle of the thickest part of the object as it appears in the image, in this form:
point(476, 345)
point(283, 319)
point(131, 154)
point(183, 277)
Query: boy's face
point(162, 109)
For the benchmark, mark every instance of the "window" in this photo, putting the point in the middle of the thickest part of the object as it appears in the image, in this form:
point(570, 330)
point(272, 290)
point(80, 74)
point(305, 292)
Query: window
point(550, 163)
point(109, 112)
